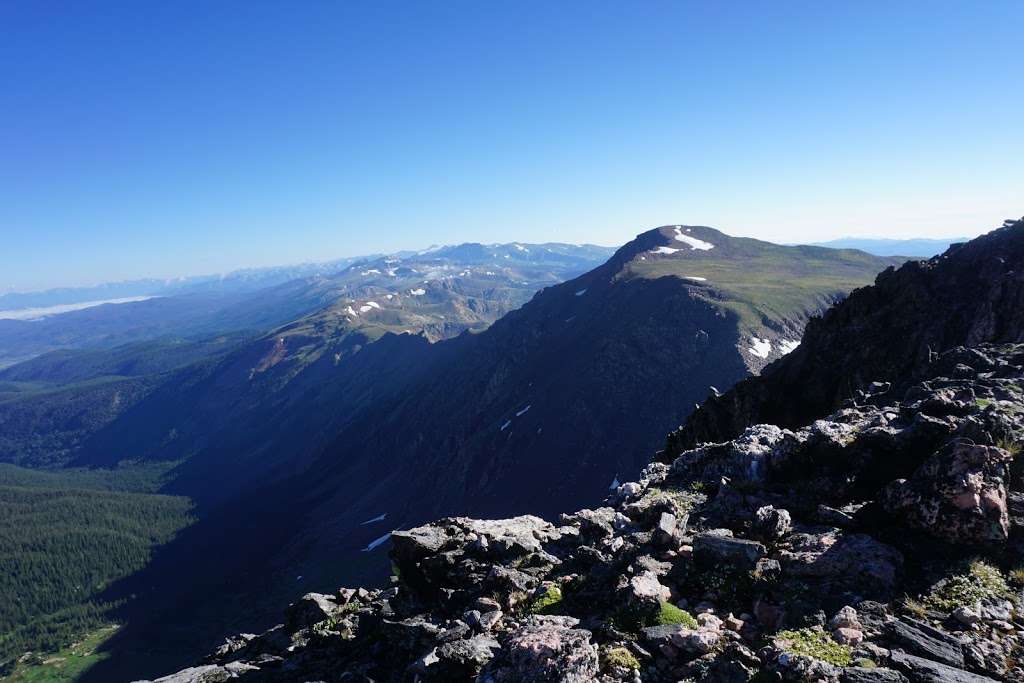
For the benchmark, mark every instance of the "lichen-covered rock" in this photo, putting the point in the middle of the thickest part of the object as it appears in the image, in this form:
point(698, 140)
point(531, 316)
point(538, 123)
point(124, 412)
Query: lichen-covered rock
point(748, 457)
point(456, 660)
point(771, 524)
point(545, 651)
point(958, 495)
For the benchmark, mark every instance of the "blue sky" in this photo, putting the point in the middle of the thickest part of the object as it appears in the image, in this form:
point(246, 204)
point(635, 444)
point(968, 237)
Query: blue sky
point(161, 139)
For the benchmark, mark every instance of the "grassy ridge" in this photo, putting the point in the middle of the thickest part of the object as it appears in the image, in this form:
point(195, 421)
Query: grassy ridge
point(64, 537)
point(760, 280)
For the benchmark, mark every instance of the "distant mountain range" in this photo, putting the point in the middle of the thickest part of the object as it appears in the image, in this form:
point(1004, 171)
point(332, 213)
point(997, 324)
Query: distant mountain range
point(262, 299)
point(245, 280)
point(918, 247)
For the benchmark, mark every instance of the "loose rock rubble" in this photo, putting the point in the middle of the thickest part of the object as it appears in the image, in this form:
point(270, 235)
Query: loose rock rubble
point(883, 544)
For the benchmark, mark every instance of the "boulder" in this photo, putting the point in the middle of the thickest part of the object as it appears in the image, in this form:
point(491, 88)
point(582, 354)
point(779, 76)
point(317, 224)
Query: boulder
point(662, 634)
point(593, 524)
point(771, 524)
point(667, 531)
point(855, 561)
point(311, 608)
point(696, 641)
point(845, 618)
point(848, 636)
point(926, 641)
point(877, 674)
point(921, 670)
point(646, 593)
point(545, 651)
point(715, 549)
point(957, 495)
point(459, 660)
point(749, 457)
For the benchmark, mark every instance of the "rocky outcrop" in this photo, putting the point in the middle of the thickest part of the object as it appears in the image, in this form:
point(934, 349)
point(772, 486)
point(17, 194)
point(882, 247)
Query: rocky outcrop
point(958, 494)
point(784, 555)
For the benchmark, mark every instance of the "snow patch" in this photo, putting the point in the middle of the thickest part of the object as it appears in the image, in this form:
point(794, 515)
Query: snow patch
point(371, 271)
point(695, 278)
point(581, 292)
point(351, 311)
point(788, 346)
point(615, 483)
point(523, 411)
point(664, 250)
point(376, 543)
point(378, 518)
point(418, 292)
point(508, 423)
point(365, 309)
point(760, 347)
point(693, 242)
point(521, 247)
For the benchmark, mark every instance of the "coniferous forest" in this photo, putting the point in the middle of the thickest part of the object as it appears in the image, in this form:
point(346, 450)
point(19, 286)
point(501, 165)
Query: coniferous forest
point(67, 536)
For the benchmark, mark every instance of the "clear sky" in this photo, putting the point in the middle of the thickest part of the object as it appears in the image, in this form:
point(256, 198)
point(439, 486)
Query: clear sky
point(170, 138)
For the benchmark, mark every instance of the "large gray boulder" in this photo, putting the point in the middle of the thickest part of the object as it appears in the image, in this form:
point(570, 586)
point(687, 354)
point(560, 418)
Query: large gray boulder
point(719, 549)
point(545, 650)
point(921, 670)
point(855, 561)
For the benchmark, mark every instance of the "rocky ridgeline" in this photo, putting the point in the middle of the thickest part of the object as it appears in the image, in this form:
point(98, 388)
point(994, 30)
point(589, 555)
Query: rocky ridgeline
point(972, 294)
point(882, 544)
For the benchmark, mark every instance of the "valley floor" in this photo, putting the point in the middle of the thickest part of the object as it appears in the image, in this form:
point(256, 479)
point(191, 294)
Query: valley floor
point(66, 664)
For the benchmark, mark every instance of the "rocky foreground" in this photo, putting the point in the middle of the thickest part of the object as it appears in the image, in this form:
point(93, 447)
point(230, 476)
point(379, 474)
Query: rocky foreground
point(882, 544)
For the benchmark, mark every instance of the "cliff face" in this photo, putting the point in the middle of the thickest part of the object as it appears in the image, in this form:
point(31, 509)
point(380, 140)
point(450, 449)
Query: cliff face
point(973, 293)
point(883, 542)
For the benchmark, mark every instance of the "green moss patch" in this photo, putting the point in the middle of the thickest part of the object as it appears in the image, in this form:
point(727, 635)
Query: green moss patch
point(670, 614)
point(981, 581)
point(815, 643)
point(620, 658)
point(548, 602)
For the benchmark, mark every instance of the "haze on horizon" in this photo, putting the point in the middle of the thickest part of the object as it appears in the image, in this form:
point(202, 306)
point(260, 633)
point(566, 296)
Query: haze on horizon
point(184, 139)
